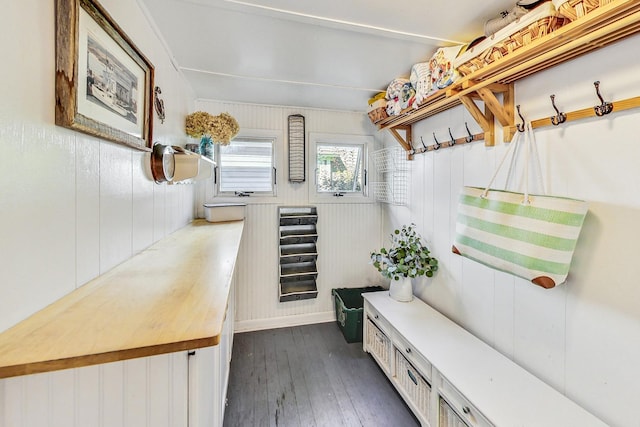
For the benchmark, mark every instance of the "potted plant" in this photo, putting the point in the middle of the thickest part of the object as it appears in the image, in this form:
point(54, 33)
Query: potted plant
point(407, 258)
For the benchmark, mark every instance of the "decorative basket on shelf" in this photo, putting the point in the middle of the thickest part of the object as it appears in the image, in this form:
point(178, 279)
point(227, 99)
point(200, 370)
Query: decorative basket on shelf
point(378, 111)
point(534, 25)
point(575, 9)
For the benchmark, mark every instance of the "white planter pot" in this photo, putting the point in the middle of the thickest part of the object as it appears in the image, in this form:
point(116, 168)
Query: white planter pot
point(401, 290)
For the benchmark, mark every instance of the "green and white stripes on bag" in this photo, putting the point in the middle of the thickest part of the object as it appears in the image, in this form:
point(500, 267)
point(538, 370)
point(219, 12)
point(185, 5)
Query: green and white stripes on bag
point(530, 236)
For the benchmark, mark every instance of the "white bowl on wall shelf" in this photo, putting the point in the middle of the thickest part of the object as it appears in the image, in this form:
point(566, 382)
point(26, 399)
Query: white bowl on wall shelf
point(192, 167)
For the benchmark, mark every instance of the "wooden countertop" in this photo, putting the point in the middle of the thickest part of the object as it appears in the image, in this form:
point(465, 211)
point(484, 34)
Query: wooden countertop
point(170, 297)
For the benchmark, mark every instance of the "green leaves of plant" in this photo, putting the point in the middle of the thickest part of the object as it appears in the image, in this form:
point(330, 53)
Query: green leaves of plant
point(407, 256)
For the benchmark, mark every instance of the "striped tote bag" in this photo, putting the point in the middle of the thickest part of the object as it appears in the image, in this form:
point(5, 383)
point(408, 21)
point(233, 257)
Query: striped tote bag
point(530, 236)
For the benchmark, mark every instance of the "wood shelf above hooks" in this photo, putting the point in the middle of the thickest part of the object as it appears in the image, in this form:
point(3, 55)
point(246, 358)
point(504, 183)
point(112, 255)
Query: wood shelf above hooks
point(445, 99)
point(605, 25)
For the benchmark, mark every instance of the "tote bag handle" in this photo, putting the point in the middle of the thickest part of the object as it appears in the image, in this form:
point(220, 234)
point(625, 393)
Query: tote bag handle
point(528, 138)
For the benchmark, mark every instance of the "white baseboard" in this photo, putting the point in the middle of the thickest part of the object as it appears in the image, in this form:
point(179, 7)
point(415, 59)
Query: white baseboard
point(283, 322)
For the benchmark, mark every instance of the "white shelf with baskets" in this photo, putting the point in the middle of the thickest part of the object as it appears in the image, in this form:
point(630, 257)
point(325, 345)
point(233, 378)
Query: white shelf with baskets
point(392, 176)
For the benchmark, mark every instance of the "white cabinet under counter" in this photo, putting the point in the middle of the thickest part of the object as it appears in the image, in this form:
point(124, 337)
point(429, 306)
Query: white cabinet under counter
point(448, 377)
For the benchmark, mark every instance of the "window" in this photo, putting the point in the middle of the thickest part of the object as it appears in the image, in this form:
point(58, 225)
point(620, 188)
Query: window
point(339, 168)
point(246, 166)
point(340, 165)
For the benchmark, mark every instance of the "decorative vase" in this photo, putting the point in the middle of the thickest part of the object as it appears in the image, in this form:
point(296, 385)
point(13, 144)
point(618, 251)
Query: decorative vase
point(206, 146)
point(401, 290)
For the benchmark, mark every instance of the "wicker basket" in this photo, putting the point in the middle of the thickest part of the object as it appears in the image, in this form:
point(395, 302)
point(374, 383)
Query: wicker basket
point(378, 114)
point(378, 111)
point(575, 9)
point(532, 26)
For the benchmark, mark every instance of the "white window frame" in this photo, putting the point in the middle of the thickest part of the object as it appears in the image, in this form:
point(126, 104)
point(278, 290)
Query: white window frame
point(257, 134)
point(366, 141)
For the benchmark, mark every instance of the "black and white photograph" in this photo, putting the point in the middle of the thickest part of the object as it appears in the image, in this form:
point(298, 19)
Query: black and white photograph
point(111, 90)
point(109, 83)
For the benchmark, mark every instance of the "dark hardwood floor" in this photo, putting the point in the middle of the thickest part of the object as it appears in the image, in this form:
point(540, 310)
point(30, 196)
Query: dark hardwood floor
point(309, 376)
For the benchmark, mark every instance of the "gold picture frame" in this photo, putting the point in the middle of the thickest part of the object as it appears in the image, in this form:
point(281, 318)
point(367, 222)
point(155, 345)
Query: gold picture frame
point(104, 84)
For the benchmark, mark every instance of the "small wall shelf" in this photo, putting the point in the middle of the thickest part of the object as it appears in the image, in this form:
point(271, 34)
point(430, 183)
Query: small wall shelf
point(191, 167)
point(298, 253)
point(605, 25)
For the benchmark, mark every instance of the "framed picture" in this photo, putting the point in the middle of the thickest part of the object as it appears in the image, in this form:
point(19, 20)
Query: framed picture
point(104, 84)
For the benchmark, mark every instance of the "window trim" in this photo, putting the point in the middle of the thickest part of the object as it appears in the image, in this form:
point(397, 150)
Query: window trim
point(257, 134)
point(366, 141)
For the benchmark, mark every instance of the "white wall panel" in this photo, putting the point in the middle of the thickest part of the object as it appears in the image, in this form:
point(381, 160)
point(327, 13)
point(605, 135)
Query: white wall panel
point(602, 314)
point(145, 392)
point(417, 181)
point(348, 234)
point(503, 313)
point(580, 336)
point(116, 206)
point(135, 392)
point(62, 389)
point(142, 203)
point(158, 391)
point(87, 397)
point(37, 210)
point(37, 390)
point(87, 209)
point(112, 409)
point(12, 407)
point(539, 326)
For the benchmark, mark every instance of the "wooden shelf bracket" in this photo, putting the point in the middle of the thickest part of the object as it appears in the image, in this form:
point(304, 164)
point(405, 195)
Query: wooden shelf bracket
point(407, 142)
point(492, 109)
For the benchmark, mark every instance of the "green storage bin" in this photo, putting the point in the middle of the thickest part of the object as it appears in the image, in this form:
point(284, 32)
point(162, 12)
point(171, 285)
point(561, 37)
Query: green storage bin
point(349, 306)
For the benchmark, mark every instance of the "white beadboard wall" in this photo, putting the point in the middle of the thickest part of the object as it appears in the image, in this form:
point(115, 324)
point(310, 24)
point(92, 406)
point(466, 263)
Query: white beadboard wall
point(73, 206)
point(347, 231)
point(138, 392)
point(580, 337)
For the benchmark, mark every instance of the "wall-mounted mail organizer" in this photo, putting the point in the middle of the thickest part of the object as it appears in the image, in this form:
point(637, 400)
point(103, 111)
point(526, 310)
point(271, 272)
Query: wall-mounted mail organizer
point(298, 235)
point(602, 109)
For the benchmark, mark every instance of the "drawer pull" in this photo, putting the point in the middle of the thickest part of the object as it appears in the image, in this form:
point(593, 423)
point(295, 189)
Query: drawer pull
point(408, 350)
point(413, 377)
point(375, 316)
point(466, 410)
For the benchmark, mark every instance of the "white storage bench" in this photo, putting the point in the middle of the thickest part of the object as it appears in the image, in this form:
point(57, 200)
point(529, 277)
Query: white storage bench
point(450, 378)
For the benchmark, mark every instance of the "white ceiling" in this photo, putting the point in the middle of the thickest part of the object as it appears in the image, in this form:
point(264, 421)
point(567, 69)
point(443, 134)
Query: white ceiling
point(331, 54)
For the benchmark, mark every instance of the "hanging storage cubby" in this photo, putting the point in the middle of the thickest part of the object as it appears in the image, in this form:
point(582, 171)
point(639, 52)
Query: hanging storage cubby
point(298, 235)
point(392, 176)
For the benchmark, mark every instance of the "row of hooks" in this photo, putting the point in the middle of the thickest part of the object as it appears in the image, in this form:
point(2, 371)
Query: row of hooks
point(453, 141)
point(600, 110)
